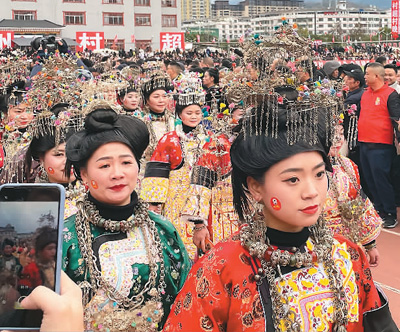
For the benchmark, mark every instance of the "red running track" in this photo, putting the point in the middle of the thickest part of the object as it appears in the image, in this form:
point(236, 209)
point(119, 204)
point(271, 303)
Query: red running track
point(387, 273)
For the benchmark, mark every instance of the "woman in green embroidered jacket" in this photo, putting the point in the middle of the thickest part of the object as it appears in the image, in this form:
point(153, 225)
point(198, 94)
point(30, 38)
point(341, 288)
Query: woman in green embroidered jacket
point(130, 263)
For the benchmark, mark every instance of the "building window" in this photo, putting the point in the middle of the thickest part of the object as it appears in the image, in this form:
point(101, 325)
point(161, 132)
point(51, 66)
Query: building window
point(142, 3)
point(168, 3)
point(113, 18)
point(143, 43)
point(24, 15)
point(115, 2)
point(142, 19)
point(169, 21)
point(74, 18)
point(75, 1)
point(119, 45)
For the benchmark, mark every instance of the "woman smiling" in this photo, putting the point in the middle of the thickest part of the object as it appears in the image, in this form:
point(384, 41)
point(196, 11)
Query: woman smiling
point(130, 263)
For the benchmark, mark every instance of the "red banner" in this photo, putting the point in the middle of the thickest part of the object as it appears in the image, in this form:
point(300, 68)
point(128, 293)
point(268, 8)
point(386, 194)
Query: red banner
point(172, 40)
point(6, 38)
point(395, 19)
point(89, 40)
point(361, 63)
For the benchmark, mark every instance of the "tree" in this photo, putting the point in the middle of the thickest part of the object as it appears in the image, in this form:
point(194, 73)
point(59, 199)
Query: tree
point(47, 219)
point(303, 32)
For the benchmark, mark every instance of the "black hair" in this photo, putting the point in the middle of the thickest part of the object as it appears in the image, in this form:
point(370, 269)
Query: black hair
point(7, 242)
point(46, 236)
point(43, 143)
point(255, 154)
point(213, 73)
point(177, 66)
point(104, 126)
point(179, 107)
point(391, 66)
point(154, 84)
point(381, 59)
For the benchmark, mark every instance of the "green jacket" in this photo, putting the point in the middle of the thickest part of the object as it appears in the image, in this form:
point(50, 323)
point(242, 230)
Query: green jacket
point(176, 260)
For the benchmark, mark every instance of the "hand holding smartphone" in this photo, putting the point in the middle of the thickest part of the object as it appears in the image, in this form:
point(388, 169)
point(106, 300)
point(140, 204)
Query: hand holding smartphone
point(31, 223)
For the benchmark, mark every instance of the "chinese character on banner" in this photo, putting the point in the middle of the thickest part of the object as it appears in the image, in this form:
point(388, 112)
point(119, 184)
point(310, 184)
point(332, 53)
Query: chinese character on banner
point(89, 40)
point(172, 40)
point(6, 38)
point(395, 19)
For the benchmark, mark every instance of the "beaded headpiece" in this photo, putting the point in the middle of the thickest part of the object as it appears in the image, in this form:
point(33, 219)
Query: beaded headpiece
point(282, 89)
point(190, 90)
point(55, 83)
point(159, 80)
point(130, 81)
point(58, 125)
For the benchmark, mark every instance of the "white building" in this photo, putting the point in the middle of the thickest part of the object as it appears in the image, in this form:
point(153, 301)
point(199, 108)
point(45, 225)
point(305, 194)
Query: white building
point(318, 22)
point(132, 23)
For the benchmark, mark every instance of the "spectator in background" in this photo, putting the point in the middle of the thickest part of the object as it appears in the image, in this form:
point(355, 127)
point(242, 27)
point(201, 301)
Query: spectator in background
point(391, 77)
point(210, 84)
point(354, 81)
point(331, 69)
point(382, 60)
point(207, 62)
point(174, 70)
point(8, 261)
point(380, 104)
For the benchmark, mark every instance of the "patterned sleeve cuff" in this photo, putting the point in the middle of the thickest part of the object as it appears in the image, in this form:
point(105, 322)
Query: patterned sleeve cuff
point(154, 187)
point(203, 176)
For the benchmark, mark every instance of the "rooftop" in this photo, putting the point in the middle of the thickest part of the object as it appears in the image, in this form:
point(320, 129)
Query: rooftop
point(38, 24)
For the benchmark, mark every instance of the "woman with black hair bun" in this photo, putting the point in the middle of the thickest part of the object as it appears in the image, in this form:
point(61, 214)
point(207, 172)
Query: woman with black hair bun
point(46, 157)
point(129, 98)
point(129, 262)
point(157, 117)
point(283, 270)
point(187, 175)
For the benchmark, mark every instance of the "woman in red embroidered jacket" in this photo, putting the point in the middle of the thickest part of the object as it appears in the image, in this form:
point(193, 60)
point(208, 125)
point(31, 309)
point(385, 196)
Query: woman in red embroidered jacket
point(188, 175)
point(283, 271)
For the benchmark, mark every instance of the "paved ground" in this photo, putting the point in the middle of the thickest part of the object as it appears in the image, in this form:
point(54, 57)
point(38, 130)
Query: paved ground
point(387, 273)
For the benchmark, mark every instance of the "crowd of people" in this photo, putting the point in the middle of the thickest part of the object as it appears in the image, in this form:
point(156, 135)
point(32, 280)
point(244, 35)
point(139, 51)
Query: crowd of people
point(197, 194)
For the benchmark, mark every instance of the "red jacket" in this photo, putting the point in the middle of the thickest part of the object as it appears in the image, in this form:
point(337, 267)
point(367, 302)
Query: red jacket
point(377, 107)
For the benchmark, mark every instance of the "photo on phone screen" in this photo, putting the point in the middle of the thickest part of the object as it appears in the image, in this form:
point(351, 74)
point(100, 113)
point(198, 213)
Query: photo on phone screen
point(30, 248)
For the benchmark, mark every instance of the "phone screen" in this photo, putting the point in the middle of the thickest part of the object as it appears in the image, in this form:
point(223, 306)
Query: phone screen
point(31, 218)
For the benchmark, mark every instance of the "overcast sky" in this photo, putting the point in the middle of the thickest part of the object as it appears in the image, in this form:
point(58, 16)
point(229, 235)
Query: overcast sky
point(24, 216)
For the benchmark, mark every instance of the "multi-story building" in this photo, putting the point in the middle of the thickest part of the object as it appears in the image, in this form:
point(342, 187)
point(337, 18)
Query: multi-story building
point(195, 9)
point(318, 22)
point(125, 23)
point(249, 8)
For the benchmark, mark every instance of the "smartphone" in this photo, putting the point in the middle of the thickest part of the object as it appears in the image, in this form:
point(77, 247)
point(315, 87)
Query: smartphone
point(31, 224)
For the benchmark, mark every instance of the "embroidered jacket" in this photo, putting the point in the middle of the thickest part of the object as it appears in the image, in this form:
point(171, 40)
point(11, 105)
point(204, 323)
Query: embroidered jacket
point(369, 224)
point(124, 261)
point(191, 178)
point(220, 293)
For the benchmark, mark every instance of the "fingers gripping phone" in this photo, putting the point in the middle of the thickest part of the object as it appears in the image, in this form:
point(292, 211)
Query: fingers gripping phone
point(31, 224)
